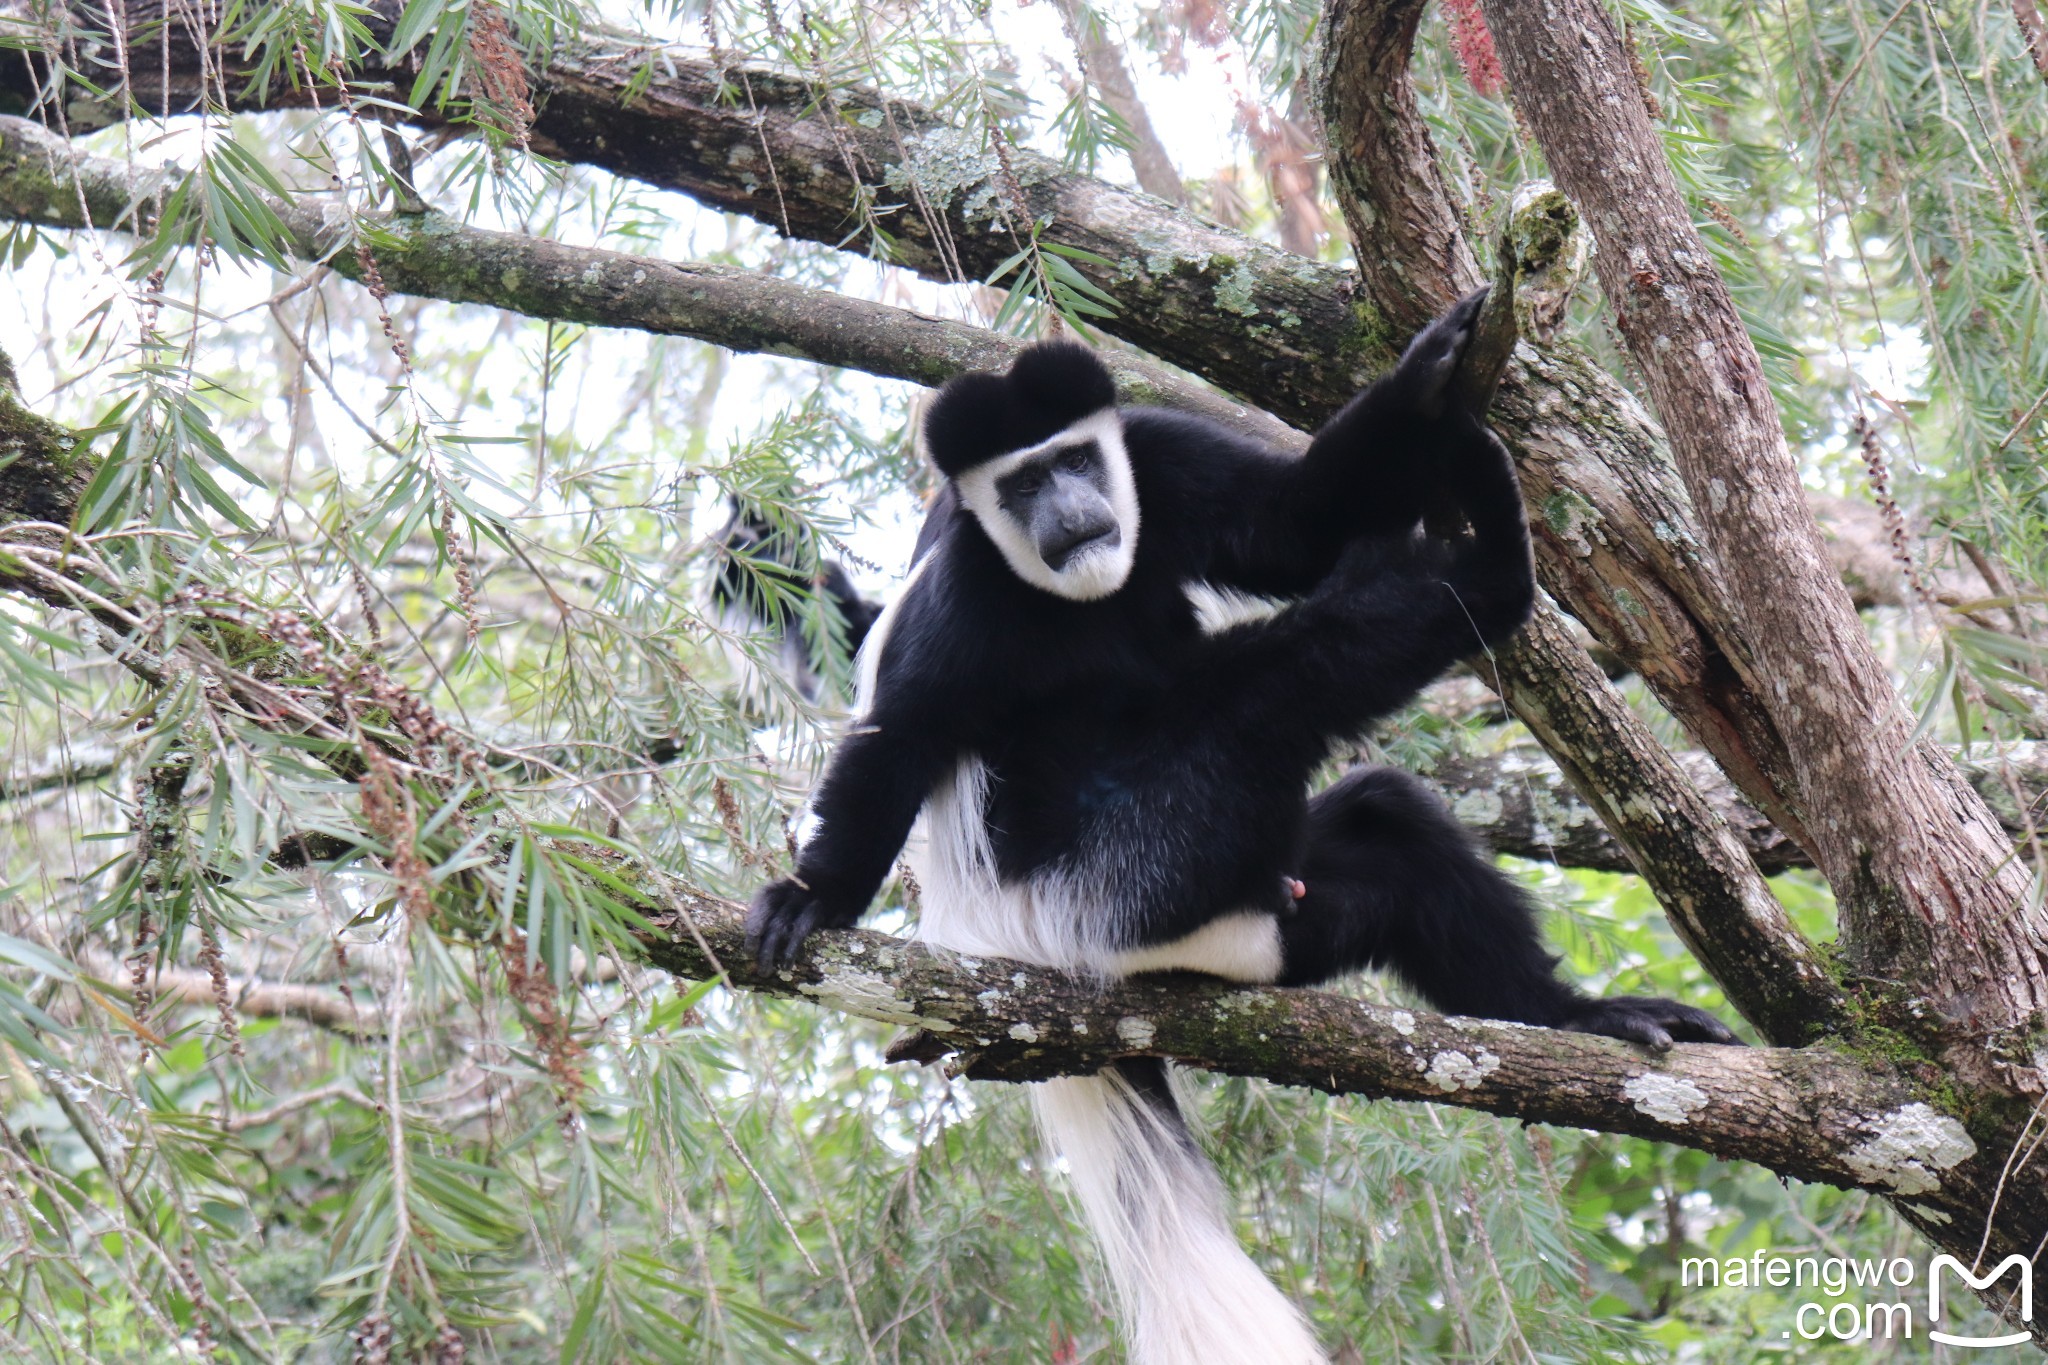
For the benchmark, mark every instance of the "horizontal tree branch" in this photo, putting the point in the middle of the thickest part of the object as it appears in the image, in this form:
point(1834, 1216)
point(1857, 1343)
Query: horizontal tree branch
point(1518, 801)
point(47, 181)
point(271, 1000)
point(1803, 1112)
point(68, 767)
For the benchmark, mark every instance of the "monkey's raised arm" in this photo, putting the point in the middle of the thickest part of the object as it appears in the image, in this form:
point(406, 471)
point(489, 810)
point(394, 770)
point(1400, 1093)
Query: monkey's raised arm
point(1278, 523)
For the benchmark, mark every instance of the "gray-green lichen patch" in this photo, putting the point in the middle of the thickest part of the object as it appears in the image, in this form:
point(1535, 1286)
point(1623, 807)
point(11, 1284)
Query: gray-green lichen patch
point(855, 990)
point(1164, 258)
point(1478, 807)
point(1451, 1070)
point(1234, 291)
point(947, 163)
point(1673, 535)
point(1573, 519)
point(1911, 1144)
point(1668, 1099)
point(1135, 1031)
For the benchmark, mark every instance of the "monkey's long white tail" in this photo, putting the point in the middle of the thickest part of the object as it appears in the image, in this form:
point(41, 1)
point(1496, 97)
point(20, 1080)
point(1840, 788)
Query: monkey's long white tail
point(1189, 1294)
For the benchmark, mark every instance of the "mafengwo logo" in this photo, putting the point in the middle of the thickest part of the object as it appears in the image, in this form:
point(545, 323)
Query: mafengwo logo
point(1854, 1285)
point(2017, 1263)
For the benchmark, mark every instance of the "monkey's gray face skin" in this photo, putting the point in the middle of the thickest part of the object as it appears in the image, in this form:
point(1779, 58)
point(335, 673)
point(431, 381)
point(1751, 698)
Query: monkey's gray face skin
point(1062, 502)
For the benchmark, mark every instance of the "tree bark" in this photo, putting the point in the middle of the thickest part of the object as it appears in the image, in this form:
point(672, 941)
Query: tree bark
point(1712, 893)
point(1929, 891)
point(1615, 540)
point(2034, 31)
point(46, 181)
point(1809, 1109)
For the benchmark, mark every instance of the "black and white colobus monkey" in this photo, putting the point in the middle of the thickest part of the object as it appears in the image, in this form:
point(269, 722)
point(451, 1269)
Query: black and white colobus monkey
point(1108, 750)
point(752, 549)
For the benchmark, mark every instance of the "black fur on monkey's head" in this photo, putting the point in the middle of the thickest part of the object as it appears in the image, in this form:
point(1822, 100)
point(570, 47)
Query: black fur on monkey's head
point(1049, 386)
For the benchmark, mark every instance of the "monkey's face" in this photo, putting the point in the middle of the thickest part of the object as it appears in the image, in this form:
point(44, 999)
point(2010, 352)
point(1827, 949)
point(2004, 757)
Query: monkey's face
point(1064, 512)
point(1061, 499)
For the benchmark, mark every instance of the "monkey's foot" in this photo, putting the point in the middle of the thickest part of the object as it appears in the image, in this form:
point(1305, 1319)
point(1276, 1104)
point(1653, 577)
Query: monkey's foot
point(1654, 1022)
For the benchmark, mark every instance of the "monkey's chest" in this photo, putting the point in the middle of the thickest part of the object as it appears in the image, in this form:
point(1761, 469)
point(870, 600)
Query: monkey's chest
point(1119, 798)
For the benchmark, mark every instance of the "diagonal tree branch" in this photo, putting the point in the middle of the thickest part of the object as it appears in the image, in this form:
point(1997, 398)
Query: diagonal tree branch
point(47, 181)
point(1102, 62)
point(1672, 836)
point(1617, 543)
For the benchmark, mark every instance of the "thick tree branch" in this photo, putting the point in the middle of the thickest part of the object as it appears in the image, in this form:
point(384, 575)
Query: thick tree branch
point(46, 181)
point(1804, 1112)
point(1711, 891)
point(777, 147)
point(1407, 236)
point(1929, 890)
point(1615, 538)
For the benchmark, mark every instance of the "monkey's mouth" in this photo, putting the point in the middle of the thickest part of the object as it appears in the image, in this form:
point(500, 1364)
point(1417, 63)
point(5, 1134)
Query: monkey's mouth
point(1058, 557)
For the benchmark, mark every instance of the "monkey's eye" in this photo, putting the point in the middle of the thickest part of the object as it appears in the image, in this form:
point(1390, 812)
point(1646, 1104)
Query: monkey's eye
point(1078, 459)
point(1027, 485)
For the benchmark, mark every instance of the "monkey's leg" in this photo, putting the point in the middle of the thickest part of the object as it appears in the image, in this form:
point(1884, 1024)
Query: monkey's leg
point(1394, 882)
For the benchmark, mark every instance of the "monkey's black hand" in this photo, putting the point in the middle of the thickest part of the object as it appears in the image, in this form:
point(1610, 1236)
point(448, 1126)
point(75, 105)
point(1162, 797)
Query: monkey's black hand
point(1654, 1022)
point(784, 914)
point(1420, 384)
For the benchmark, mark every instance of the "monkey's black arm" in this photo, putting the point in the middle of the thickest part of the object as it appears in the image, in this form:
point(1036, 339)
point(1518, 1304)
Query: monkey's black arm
point(1377, 464)
point(1387, 457)
point(877, 780)
point(1392, 615)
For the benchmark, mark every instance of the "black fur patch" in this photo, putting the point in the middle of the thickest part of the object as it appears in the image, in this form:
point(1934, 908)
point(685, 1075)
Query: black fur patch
point(1050, 386)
